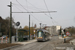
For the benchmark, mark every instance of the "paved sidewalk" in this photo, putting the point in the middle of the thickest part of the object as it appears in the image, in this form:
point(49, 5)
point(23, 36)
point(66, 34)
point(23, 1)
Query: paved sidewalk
point(72, 42)
point(26, 42)
point(22, 43)
point(65, 46)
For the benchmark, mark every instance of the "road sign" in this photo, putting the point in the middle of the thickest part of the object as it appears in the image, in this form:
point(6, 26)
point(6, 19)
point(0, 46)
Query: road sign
point(18, 23)
point(67, 33)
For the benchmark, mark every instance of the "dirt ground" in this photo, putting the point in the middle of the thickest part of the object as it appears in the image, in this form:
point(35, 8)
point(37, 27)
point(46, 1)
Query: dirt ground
point(70, 39)
point(5, 45)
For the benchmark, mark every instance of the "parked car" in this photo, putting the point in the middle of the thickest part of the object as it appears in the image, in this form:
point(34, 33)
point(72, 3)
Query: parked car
point(4, 36)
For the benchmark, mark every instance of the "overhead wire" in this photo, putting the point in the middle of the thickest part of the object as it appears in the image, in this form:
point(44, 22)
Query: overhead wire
point(34, 6)
point(22, 6)
point(37, 8)
point(18, 8)
point(31, 14)
point(49, 13)
point(40, 10)
point(36, 18)
point(47, 9)
point(27, 11)
point(44, 13)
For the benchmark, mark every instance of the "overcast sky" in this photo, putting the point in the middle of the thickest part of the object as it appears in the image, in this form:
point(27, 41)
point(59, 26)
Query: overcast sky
point(65, 15)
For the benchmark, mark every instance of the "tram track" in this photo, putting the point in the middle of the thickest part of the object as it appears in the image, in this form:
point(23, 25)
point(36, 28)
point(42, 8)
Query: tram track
point(48, 45)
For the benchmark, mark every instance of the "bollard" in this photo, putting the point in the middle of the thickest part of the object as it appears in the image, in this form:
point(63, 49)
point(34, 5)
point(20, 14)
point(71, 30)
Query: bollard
point(1, 39)
point(6, 39)
point(64, 40)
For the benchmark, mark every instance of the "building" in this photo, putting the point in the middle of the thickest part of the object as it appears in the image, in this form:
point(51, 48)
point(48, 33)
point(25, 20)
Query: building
point(54, 30)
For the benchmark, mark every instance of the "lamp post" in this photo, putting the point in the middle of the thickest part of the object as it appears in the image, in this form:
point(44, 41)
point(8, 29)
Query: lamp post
point(0, 27)
point(0, 30)
point(29, 27)
point(40, 25)
point(10, 21)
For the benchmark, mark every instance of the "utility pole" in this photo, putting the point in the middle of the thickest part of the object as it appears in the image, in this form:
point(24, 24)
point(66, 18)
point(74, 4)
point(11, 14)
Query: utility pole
point(0, 30)
point(32, 27)
point(40, 25)
point(0, 27)
point(10, 22)
point(29, 27)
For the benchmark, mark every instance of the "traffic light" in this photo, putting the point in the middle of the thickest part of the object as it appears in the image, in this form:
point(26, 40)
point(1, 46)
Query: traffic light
point(64, 30)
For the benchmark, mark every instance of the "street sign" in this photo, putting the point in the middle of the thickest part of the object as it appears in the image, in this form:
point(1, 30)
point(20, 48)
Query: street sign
point(67, 33)
point(18, 23)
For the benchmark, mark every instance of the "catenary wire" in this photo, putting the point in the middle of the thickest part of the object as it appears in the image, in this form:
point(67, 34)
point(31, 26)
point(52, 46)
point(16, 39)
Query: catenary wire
point(31, 14)
point(22, 6)
point(47, 9)
point(18, 8)
point(27, 11)
point(49, 13)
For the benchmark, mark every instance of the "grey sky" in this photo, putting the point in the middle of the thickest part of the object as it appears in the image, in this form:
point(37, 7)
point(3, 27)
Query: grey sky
point(64, 16)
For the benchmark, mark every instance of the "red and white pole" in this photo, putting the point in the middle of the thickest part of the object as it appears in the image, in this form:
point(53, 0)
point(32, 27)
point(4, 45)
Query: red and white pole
point(1, 39)
point(6, 39)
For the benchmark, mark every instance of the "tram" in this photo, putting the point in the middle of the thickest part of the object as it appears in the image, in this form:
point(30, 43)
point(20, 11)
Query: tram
point(42, 35)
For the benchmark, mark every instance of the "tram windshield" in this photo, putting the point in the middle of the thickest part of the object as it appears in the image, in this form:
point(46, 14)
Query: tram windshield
point(39, 34)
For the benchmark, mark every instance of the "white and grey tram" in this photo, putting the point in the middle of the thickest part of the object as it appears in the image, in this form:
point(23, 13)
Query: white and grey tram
point(42, 35)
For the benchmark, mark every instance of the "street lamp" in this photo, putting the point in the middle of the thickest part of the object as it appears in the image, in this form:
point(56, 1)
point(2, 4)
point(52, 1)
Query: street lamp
point(0, 27)
point(10, 21)
point(0, 30)
point(40, 25)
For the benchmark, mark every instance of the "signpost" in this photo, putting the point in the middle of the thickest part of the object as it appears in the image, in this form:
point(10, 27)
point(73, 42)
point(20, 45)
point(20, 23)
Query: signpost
point(67, 33)
point(17, 24)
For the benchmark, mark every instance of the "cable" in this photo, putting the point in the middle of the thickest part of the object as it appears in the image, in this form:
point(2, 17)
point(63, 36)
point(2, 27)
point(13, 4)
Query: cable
point(34, 6)
point(31, 14)
point(36, 18)
point(18, 8)
point(27, 11)
point(47, 9)
point(37, 8)
point(22, 6)
point(49, 13)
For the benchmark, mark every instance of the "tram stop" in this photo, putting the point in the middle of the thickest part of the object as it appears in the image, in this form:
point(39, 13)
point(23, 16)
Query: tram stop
point(23, 35)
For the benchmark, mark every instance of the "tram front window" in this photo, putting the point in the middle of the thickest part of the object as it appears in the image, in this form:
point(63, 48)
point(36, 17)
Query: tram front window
point(39, 34)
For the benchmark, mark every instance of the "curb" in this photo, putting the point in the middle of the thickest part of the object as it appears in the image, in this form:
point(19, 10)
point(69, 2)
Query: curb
point(10, 47)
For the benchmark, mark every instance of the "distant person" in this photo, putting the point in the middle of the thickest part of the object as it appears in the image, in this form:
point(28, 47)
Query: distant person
point(15, 38)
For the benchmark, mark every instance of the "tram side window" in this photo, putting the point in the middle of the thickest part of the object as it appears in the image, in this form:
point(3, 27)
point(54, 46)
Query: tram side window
point(45, 34)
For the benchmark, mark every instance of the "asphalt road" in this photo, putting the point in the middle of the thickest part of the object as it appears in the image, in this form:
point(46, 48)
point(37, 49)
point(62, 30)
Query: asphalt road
point(48, 45)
